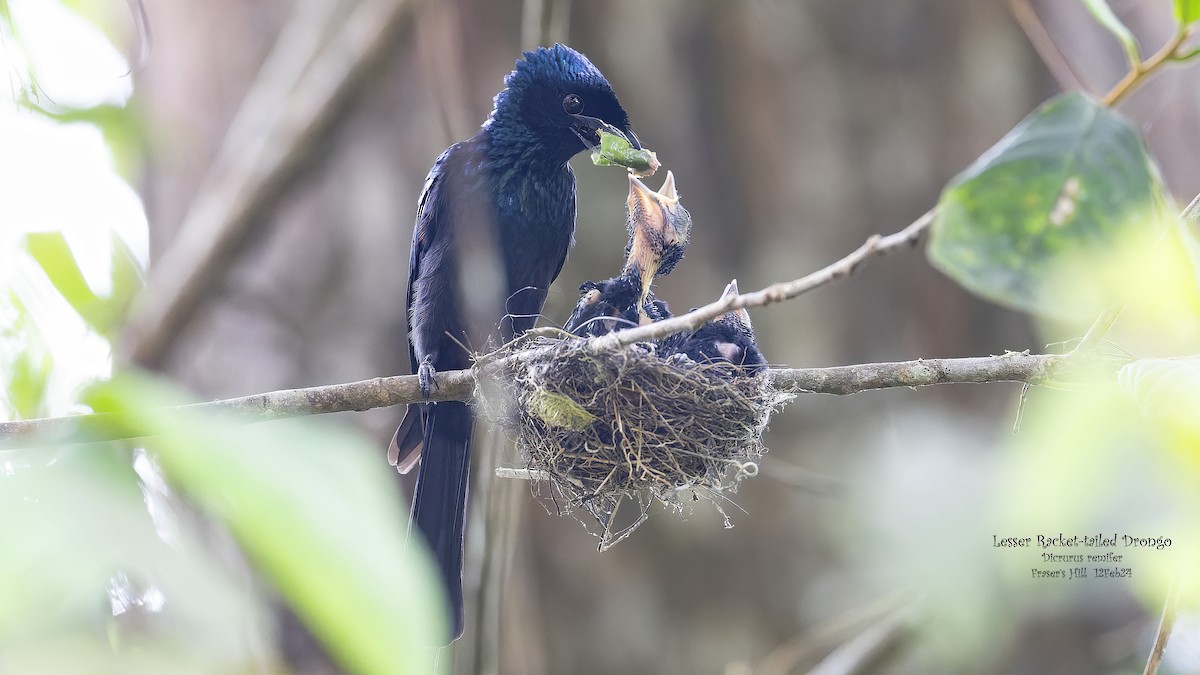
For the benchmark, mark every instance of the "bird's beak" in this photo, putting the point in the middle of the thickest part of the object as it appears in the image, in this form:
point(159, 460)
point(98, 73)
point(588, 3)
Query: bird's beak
point(647, 227)
point(643, 205)
point(740, 316)
point(667, 191)
point(669, 217)
point(589, 128)
point(632, 138)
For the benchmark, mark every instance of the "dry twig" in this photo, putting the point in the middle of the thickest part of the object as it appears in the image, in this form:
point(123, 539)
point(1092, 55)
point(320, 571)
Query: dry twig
point(875, 246)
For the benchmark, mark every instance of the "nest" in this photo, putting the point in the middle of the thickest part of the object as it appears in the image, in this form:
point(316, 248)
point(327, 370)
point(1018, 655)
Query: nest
point(628, 428)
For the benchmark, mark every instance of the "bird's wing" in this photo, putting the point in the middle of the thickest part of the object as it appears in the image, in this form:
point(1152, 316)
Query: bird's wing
point(405, 448)
point(425, 229)
point(571, 220)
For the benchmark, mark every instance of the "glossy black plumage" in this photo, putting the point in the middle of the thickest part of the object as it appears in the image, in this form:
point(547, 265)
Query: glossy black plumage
point(503, 200)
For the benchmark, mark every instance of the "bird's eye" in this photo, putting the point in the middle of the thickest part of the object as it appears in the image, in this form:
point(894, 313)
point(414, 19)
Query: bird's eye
point(573, 104)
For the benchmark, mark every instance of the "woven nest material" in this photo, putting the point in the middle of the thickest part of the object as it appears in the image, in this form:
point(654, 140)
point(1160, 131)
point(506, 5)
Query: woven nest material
point(629, 427)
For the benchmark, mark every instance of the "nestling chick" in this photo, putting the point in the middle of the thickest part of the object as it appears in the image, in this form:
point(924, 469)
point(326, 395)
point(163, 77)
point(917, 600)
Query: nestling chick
point(728, 338)
point(659, 229)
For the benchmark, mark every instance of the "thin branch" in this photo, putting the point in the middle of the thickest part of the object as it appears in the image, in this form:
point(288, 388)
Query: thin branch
point(459, 385)
point(1099, 328)
point(1165, 625)
point(232, 208)
point(1045, 47)
point(1138, 74)
point(865, 649)
point(875, 246)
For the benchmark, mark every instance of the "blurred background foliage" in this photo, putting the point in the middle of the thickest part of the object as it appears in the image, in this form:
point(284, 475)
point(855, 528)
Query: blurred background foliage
point(115, 562)
point(795, 130)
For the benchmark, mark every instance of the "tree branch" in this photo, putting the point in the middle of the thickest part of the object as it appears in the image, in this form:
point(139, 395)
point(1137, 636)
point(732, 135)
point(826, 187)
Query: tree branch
point(1138, 72)
point(875, 246)
point(459, 385)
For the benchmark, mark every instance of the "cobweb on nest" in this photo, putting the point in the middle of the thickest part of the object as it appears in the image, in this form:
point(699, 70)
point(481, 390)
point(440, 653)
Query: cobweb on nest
point(614, 432)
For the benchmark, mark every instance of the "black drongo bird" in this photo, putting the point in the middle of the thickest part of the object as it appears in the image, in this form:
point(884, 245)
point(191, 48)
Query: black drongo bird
point(729, 338)
point(503, 200)
point(659, 228)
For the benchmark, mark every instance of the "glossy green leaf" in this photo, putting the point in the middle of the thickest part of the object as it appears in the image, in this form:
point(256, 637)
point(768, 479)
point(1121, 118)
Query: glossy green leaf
point(1104, 14)
point(1069, 182)
point(1187, 12)
point(316, 513)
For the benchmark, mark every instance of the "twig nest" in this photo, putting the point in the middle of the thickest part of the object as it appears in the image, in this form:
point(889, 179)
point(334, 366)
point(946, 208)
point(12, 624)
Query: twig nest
point(628, 427)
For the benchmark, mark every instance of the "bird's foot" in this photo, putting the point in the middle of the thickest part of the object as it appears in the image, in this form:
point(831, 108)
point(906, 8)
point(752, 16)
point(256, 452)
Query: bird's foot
point(425, 373)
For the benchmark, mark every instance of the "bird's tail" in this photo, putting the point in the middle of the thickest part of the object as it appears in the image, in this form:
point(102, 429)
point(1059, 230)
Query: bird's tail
point(405, 450)
point(439, 504)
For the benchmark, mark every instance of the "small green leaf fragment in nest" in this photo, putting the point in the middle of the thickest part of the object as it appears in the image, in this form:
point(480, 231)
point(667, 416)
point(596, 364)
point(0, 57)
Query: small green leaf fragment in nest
point(616, 150)
point(557, 410)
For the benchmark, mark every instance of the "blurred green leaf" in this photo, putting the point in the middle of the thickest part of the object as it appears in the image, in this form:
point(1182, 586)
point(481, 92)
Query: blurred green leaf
point(316, 513)
point(1189, 236)
point(1164, 388)
point(1067, 182)
point(127, 281)
point(52, 253)
point(1189, 55)
point(120, 125)
point(1104, 14)
point(1187, 12)
point(24, 363)
point(27, 381)
point(99, 589)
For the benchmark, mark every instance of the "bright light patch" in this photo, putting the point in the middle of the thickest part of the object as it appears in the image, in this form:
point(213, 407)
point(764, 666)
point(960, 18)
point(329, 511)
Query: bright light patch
point(74, 64)
point(58, 178)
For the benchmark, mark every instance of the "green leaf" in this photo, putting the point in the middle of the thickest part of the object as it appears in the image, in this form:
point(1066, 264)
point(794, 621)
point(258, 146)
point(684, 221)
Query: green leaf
point(1163, 388)
point(121, 126)
point(52, 253)
point(1187, 12)
point(1104, 14)
point(1069, 182)
point(616, 150)
point(27, 382)
point(316, 513)
point(127, 281)
point(75, 530)
point(1185, 57)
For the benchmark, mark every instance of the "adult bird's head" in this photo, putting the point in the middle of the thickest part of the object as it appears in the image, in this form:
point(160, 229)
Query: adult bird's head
point(554, 104)
point(659, 230)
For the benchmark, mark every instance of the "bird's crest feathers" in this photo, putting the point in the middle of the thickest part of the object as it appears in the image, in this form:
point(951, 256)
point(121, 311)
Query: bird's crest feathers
point(559, 62)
